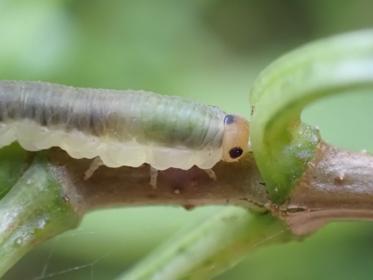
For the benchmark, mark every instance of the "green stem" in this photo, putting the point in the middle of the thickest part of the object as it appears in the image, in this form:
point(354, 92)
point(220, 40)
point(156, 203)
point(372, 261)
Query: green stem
point(282, 145)
point(211, 247)
point(13, 162)
point(32, 211)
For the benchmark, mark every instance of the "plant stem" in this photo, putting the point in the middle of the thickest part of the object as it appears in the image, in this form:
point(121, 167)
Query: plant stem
point(210, 247)
point(13, 162)
point(282, 144)
point(235, 184)
point(336, 185)
point(33, 211)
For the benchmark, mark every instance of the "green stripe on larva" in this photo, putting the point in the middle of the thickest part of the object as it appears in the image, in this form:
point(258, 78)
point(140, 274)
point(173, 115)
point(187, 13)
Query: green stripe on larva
point(120, 127)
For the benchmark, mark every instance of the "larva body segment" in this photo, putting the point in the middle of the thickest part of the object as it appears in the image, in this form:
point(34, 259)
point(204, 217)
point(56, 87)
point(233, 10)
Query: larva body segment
point(121, 127)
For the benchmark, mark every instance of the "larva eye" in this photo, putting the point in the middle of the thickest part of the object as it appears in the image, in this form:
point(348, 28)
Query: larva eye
point(235, 152)
point(229, 119)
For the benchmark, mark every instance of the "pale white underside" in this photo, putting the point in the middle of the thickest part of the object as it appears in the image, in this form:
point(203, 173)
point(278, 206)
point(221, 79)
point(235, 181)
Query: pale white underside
point(34, 137)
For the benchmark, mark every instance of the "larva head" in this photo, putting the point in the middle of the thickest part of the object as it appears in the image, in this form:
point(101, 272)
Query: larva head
point(236, 138)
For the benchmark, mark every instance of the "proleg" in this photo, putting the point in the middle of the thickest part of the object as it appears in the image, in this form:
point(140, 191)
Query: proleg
point(121, 128)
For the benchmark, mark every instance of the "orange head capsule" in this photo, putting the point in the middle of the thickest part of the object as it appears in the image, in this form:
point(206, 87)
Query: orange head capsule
point(236, 138)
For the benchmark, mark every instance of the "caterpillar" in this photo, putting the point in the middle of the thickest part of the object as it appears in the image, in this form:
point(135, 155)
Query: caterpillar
point(121, 128)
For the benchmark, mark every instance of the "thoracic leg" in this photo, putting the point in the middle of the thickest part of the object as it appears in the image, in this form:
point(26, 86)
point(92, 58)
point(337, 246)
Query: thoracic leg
point(210, 173)
point(153, 177)
point(95, 164)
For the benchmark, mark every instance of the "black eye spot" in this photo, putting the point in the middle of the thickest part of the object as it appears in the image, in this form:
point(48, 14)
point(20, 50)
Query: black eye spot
point(229, 119)
point(235, 152)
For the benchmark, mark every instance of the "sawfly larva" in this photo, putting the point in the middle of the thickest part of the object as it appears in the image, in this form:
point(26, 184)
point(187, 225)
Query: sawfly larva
point(121, 128)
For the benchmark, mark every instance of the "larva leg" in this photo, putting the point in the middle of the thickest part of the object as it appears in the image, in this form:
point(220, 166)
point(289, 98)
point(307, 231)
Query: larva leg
point(211, 173)
point(153, 177)
point(95, 164)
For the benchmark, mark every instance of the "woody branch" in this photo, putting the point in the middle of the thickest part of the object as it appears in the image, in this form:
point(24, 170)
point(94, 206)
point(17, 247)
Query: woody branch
point(336, 185)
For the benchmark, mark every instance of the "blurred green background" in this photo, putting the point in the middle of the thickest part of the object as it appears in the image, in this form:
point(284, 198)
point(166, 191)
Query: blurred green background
point(209, 51)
